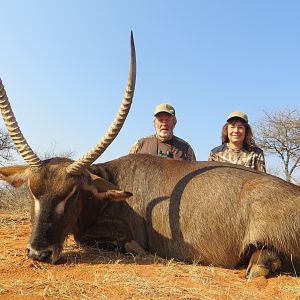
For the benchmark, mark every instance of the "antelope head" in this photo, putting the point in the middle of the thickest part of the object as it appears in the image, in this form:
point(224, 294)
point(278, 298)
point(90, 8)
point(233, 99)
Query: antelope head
point(58, 185)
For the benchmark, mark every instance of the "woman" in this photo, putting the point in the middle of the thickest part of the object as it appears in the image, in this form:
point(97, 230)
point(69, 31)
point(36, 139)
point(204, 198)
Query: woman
point(238, 145)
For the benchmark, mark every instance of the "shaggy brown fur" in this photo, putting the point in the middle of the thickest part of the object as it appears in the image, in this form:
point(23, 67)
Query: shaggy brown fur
point(205, 211)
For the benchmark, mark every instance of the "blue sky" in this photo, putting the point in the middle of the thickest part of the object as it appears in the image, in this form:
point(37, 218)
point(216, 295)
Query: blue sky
point(64, 65)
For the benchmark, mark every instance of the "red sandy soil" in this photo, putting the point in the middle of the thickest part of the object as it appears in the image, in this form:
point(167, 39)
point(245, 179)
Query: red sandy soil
point(95, 274)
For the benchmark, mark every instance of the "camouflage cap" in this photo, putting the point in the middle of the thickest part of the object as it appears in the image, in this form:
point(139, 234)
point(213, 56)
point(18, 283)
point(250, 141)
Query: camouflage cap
point(238, 114)
point(164, 107)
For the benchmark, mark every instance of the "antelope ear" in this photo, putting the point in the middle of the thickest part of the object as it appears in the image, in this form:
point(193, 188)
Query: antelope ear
point(15, 175)
point(105, 190)
point(115, 195)
point(102, 184)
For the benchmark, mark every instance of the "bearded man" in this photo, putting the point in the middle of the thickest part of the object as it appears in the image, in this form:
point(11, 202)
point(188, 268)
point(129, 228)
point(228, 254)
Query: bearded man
point(164, 143)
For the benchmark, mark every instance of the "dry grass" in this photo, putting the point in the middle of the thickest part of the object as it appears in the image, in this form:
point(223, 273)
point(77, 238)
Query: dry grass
point(14, 198)
point(96, 274)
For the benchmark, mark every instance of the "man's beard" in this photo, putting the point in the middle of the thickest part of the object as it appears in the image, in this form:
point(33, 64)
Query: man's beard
point(164, 135)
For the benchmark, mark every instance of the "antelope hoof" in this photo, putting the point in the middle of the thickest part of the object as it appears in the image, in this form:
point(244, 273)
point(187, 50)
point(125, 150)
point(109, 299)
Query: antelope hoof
point(134, 247)
point(262, 263)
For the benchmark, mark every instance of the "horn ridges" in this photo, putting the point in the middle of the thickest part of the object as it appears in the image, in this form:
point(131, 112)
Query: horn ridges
point(86, 160)
point(15, 132)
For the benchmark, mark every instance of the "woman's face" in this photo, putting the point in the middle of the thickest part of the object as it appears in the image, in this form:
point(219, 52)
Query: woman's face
point(236, 132)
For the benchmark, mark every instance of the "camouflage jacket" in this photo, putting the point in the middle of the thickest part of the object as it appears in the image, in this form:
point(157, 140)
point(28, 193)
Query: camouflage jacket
point(253, 158)
point(175, 148)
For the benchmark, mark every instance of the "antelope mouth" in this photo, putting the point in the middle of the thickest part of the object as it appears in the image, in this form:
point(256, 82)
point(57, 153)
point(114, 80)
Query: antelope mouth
point(49, 255)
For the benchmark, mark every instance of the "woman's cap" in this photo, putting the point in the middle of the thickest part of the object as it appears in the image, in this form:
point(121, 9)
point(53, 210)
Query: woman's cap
point(238, 114)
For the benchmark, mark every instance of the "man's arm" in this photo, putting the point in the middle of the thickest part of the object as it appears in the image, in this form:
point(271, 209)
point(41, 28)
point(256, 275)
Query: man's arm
point(191, 154)
point(134, 148)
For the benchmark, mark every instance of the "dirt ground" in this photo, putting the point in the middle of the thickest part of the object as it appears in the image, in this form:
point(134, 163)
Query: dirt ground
point(95, 274)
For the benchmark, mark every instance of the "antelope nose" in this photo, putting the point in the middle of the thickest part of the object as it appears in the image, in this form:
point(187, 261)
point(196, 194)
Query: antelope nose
point(42, 255)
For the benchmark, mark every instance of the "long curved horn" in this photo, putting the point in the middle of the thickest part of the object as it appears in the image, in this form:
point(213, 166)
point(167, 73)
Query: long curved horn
point(15, 132)
point(86, 160)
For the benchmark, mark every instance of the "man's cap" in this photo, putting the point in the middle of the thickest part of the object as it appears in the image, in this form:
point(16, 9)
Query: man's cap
point(164, 107)
point(238, 114)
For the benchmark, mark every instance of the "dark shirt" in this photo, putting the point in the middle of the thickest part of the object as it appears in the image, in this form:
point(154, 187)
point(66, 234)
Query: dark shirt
point(174, 148)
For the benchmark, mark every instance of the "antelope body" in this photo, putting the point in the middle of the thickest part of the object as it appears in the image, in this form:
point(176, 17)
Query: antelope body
point(216, 213)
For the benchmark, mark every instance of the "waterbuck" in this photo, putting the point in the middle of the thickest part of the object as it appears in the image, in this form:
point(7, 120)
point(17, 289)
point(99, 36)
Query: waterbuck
point(215, 213)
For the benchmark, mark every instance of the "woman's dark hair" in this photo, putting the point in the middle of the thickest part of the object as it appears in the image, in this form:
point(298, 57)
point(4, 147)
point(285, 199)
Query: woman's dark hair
point(249, 139)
